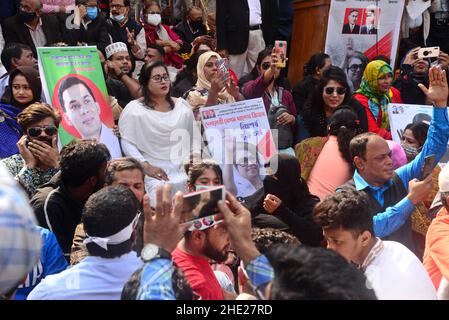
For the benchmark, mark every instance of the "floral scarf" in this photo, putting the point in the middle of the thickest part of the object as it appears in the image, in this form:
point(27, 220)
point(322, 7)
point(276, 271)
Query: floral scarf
point(370, 88)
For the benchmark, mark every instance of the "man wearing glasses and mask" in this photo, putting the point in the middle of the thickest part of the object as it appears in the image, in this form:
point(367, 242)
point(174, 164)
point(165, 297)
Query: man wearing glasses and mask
point(38, 160)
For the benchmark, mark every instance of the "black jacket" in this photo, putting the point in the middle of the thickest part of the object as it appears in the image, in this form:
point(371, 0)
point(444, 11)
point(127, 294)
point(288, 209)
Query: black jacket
point(96, 34)
point(233, 24)
point(60, 213)
point(16, 31)
point(302, 92)
point(182, 29)
point(407, 84)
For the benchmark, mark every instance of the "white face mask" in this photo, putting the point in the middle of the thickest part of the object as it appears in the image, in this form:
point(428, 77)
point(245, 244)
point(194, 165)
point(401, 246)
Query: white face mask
point(154, 19)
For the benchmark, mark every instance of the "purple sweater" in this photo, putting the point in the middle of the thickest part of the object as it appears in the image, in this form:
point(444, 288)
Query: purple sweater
point(256, 89)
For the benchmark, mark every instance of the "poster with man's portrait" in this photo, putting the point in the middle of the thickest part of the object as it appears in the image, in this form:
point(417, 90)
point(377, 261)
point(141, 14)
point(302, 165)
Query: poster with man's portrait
point(73, 81)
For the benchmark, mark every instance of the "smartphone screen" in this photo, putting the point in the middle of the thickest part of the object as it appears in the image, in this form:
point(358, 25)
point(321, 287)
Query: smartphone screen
point(427, 166)
point(200, 209)
point(281, 51)
point(223, 66)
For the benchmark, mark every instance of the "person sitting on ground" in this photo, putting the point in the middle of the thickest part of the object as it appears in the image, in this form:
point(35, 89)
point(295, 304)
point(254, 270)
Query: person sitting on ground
point(285, 202)
point(109, 217)
point(394, 194)
point(375, 94)
point(58, 204)
point(190, 28)
point(38, 158)
point(392, 270)
point(187, 77)
point(334, 166)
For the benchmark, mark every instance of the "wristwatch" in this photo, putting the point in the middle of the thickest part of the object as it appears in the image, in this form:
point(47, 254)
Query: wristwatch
point(152, 251)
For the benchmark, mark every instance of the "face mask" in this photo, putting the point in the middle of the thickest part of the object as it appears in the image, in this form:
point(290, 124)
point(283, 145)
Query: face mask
point(154, 19)
point(26, 16)
point(92, 13)
point(410, 152)
point(200, 187)
point(118, 18)
point(196, 25)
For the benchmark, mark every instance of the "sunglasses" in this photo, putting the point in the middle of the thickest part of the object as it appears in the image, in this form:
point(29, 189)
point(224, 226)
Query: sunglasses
point(35, 132)
point(354, 67)
point(331, 90)
point(266, 65)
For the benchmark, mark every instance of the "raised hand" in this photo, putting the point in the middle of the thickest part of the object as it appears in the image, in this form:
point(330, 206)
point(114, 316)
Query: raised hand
point(438, 89)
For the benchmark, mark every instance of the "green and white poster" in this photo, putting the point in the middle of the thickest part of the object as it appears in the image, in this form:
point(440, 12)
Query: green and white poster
point(73, 81)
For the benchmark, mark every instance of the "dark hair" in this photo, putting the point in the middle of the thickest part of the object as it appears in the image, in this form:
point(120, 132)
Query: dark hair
point(12, 50)
point(419, 131)
point(82, 159)
point(305, 273)
point(144, 79)
point(344, 124)
point(205, 41)
point(181, 286)
point(158, 48)
point(357, 146)
point(189, 72)
point(357, 55)
point(314, 113)
point(346, 209)
point(443, 197)
point(107, 212)
point(280, 81)
point(265, 238)
point(148, 3)
point(382, 57)
point(32, 77)
point(197, 169)
point(36, 112)
point(68, 83)
point(122, 164)
point(317, 61)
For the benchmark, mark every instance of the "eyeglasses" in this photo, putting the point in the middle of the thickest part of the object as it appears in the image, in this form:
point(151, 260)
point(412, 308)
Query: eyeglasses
point(158, 78)
point(35, 132)
point(354, 67)
point(266, 65)
point(331, 90)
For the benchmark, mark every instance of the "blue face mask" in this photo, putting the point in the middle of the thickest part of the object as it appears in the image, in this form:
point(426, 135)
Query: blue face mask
point(92, 13)
point(118, 18)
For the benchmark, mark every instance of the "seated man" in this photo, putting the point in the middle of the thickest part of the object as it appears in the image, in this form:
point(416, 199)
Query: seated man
point(393, 194)
point(392, 270)
point(293, 266)
point(38, 160)
point(109, 217)
point(58, 204)
point(436, 254)
point(190, 28)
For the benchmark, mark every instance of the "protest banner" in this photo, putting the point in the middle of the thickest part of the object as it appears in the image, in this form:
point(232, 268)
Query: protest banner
point(369, 27)
point(240, 140)
point(73, 82)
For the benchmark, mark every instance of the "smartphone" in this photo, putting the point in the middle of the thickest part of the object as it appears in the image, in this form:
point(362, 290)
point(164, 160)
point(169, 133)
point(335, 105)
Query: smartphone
point(427, 166)
point(200, 208)
point(223, 66)
point(429, 52)
point(281, 51)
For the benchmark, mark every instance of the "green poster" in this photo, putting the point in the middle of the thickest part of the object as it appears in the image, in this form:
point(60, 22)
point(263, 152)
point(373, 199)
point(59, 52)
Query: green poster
point(74, 84)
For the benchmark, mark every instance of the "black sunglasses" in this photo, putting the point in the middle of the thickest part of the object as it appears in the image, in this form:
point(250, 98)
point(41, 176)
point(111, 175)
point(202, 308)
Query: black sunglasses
point(37, 131)
point(330, 90)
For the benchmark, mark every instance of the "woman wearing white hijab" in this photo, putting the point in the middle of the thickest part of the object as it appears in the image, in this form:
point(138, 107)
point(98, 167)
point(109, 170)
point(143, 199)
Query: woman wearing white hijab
point(212, 87)
point(159, 131)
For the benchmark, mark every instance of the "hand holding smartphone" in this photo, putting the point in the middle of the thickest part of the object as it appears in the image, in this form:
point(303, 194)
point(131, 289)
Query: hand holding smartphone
point(281, 52)
point(223, 67)
point(427, 166)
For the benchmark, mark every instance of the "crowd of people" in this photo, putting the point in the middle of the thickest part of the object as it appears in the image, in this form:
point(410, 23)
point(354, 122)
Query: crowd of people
point(340, 211)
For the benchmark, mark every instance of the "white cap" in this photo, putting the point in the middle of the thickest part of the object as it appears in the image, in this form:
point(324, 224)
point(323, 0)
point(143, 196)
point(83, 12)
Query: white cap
point(114, 48)
point(443, 179)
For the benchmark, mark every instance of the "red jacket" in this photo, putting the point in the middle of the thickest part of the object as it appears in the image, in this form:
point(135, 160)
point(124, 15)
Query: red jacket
point(373, 124)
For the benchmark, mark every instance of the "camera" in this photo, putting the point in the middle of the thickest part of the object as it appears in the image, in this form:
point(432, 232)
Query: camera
point(429, 52)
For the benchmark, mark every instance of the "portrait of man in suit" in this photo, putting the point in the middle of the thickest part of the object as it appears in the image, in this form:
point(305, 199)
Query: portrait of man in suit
point(370, 26)
point(352, 27)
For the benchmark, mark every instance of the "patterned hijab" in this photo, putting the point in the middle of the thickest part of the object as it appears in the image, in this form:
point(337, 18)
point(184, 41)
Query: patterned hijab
point(370, 88)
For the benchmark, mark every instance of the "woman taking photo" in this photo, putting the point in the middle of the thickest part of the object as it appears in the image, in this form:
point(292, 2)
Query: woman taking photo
point(24, 88)
point(148, 126)
point(212, 87)
point(375, 94)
